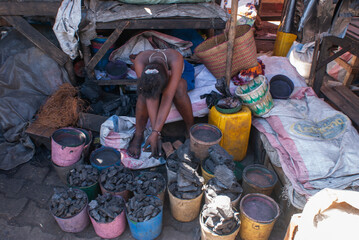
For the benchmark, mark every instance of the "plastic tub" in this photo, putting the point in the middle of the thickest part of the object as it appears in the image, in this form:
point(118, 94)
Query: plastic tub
point(67, 145)
point(62, 172)
point(105, 157)
point(112, 229)
point(208, 234)
point(146, 230)
point(258, 215)
point(75, 223)
point(203, 136)
point(281, 87)
point(185, 210)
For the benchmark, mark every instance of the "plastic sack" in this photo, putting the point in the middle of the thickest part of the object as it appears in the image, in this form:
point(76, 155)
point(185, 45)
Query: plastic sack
point(301, 56)
point(117, 131)
point(66, 25)
point(330, 214)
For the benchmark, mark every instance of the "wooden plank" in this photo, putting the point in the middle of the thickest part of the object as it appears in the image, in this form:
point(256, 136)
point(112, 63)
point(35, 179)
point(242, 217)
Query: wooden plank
point(39, 130)
point(342, 104)
point(231, 38)
point(37, 38)
point(109, 42)
point(117, 82)
point(33, 8)
point(177, 144)
point(91, 121)
point(348, 95)
point(167, 23)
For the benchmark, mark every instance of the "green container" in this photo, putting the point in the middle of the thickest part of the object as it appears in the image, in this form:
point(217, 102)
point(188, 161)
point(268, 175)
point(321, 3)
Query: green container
point(91, 191)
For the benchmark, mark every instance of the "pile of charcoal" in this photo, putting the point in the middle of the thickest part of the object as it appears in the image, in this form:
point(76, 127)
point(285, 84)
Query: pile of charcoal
point(189, 183)
point(68, 202)
point(215, 187)
point(142, 208)
point(148, 183)
point(116, 178)
point(105, 208)
point(218, 156)
point(83, 176)
point(219, 216)
point(182, 154)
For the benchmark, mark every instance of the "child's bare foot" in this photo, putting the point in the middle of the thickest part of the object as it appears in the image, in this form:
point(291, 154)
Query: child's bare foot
point(134, 149)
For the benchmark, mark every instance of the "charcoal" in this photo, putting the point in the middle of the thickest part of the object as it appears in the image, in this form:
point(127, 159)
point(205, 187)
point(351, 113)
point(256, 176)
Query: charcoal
point(224, 175)
point(189, 188)
point(105, 208)
point(214, 187)
point(209, 165)
point(143, 208)
point(148, 183)
point(172, 162)
point(116, 178)
point(219, 216)
point(186, 171)
point(61, 205)
point(219, 155)
point(173, 188)
point(83, 176)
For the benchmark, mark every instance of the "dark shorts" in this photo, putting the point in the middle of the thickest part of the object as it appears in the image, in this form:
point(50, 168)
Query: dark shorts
point(188, 75)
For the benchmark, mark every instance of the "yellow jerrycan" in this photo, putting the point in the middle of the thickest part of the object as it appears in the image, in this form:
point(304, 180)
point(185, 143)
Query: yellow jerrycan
point(235, 129)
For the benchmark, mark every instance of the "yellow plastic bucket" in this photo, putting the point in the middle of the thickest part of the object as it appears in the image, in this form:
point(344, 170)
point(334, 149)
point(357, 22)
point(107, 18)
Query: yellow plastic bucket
point(206, 175)
point(258, 215)
point(235, 130)
point(283, 43)
point(185, 210)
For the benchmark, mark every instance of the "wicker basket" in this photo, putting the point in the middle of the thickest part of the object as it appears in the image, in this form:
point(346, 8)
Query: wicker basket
point(213, 52)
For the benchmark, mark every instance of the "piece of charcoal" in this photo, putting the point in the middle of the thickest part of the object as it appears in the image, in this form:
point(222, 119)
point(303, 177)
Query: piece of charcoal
point(61, 205)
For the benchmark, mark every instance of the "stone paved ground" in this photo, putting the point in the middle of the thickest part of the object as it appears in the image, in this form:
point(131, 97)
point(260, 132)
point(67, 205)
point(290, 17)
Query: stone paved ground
point(24, 214)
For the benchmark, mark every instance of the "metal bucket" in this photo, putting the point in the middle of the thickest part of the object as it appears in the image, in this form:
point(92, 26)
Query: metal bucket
point(203, 136)
point(258, 215)
point(258, 179)
point(67, 145)
point(146, 230)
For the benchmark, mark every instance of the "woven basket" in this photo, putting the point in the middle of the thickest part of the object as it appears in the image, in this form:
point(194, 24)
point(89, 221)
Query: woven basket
point(213, 52)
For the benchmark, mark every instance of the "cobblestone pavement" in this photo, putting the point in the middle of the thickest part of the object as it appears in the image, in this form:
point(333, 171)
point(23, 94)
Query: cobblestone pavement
point(24, 211)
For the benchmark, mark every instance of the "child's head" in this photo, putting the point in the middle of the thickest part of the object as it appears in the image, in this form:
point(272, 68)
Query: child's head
point(152, 81)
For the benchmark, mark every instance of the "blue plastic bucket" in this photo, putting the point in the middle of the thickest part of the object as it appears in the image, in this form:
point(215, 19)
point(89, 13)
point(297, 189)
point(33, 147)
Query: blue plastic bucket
point(146, 230)
point(105, 157)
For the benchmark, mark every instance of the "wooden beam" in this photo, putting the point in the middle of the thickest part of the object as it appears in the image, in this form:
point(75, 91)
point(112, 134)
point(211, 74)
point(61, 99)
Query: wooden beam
point(91, 121)
point(167, 23)
point(102, 51)
point(38, 39)
point(345, 100)
point(33, 8)
point(231, 38)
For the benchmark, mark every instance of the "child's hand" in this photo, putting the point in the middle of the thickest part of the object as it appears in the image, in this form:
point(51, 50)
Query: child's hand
point(154, 142)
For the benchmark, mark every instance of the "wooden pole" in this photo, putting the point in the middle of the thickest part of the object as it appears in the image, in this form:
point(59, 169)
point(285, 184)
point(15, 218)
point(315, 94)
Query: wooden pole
point(231, 37)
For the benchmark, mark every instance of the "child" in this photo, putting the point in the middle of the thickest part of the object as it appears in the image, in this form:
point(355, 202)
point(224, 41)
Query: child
point(159, 84)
